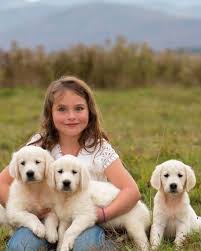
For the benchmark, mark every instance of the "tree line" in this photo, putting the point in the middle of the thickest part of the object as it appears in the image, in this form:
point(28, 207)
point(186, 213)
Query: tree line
point(117, 65)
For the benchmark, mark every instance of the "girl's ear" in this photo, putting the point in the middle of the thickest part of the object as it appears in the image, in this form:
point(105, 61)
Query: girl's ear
point(156, 177)
point(85, 178)
point(190, 178)
point(50, 176)
point(13, 167)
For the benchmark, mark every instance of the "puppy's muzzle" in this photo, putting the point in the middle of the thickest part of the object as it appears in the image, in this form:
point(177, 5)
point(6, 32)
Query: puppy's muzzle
point(173, 188)
point(67, 185)
point(30, 175)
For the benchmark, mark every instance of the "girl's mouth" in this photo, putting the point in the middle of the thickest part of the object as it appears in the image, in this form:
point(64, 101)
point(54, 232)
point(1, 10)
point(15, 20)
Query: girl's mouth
point(73, 124)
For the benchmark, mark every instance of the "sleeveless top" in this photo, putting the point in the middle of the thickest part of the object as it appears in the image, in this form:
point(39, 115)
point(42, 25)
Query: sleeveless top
point(95, 159)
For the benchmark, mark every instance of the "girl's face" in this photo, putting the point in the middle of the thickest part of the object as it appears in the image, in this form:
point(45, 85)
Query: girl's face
point(70, 114)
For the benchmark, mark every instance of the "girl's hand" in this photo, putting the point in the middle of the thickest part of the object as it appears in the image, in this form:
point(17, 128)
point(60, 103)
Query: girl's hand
point(41, 215)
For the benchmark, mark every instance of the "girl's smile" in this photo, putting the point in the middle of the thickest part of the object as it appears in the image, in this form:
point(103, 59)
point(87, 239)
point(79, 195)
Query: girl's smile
point(71, 125)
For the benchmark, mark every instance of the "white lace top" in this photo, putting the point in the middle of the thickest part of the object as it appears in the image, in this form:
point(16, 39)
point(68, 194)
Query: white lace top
point(96, 160)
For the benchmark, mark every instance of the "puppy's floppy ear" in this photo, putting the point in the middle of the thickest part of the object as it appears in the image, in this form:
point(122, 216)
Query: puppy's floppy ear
point(48, 159)
point(50, 176)
point(190, 178)
point(156, 177)
point(85, 177)
point(13, 167)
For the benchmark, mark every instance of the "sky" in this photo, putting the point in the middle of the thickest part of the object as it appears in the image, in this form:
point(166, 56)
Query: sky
point(172, 2)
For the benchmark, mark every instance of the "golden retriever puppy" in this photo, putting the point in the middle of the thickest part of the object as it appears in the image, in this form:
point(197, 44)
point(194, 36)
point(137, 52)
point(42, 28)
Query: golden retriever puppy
point(3, 216)
point(29, 192)
point(78, 197)
point(173, 215)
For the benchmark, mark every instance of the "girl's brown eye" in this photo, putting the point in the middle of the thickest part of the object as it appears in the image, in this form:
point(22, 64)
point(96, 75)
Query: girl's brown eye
point(79, 108)
point(61, 109)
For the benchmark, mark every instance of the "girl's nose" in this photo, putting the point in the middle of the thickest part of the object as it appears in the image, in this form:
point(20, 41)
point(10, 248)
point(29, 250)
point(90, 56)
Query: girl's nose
point(71, 115)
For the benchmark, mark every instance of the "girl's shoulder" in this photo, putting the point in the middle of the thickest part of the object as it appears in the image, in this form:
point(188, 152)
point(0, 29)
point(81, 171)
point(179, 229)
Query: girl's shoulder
point(104, 146)
point(105, 154)
point(98, 158)
point(101, 147)
point(36, 140)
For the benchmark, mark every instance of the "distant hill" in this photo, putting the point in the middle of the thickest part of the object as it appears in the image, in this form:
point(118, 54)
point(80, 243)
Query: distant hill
point(185, 8)
point(58, 27)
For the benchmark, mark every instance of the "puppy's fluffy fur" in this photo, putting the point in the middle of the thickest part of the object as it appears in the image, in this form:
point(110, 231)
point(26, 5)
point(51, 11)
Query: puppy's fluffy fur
point(29, 192)
point(173, 215)
point(3, 217)
point(76, 200)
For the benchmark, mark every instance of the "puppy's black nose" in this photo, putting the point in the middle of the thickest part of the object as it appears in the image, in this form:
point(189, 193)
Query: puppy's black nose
point(173, 186)
point(30, 174)
point(66, 183)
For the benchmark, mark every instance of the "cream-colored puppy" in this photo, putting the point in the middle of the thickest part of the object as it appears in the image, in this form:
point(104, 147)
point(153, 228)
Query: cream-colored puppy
point(173, 215)
point(78, 197)
point(29, 192)
point(3, 216)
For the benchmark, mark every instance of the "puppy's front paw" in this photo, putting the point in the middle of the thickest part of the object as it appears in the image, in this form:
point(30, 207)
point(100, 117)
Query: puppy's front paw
point(178, 245)
point(51, 235)
point(39, 230)
point(144, 247)
point(67, 245)
point(154, 246)
point(64, 248)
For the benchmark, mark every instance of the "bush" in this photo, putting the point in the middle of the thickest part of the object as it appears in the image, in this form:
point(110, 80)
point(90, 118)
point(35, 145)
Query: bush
point(119, 65)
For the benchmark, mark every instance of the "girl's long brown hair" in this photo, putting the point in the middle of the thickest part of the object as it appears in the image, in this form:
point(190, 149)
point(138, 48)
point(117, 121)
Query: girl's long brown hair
point(93, 135)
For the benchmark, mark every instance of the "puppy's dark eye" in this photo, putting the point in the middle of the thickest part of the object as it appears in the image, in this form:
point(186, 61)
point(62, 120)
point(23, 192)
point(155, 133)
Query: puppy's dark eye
point(74, 172)
point(60, 171)
point(22, 163)
point(166, 175)
point(180, 175)
point(37, 162)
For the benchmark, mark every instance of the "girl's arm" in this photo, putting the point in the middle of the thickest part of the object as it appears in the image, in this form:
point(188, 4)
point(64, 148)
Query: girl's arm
point(129, 193)
point(5, 182)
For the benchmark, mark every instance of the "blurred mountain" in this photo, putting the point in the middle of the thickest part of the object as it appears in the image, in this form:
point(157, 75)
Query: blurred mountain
point(61, 26)
point(183, 8)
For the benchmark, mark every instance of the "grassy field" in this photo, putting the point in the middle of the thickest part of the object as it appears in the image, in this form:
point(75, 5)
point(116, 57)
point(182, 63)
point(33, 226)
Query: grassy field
point(146, 126)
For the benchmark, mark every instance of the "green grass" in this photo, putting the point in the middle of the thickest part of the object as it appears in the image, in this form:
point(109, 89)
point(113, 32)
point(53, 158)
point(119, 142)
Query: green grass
point(146, 126)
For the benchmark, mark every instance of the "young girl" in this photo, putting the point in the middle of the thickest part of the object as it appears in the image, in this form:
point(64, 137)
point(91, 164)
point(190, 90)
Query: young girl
point(71, 126)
